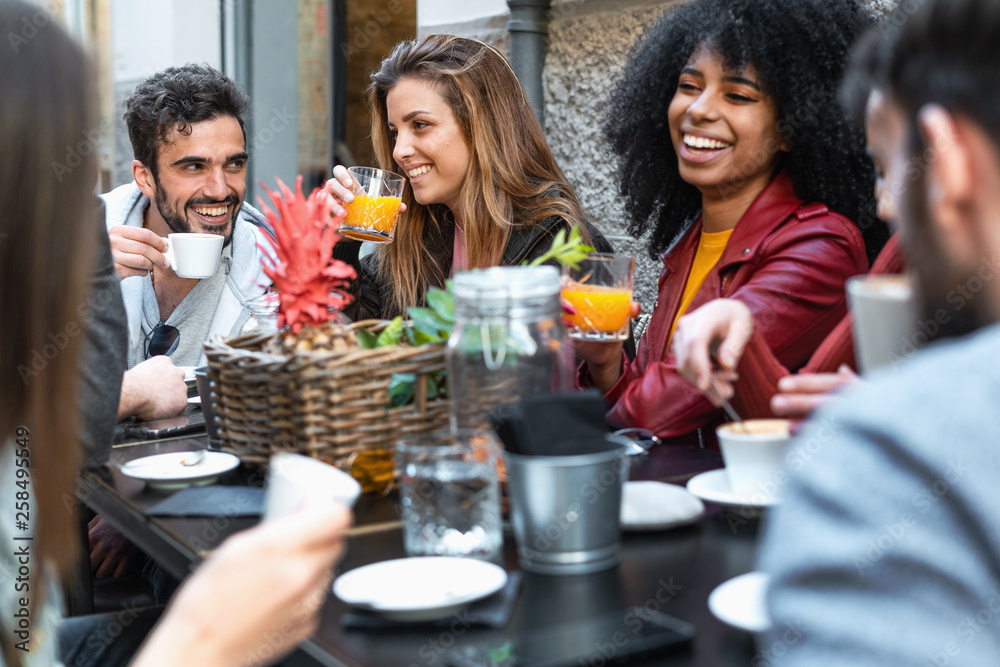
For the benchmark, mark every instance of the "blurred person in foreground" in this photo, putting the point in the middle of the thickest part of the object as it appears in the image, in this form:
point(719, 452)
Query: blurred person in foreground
point(265, 583)
point(886, 549)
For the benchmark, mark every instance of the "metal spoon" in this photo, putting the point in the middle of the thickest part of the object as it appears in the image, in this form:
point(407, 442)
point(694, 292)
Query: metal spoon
point(730, 412)
point(194, 458)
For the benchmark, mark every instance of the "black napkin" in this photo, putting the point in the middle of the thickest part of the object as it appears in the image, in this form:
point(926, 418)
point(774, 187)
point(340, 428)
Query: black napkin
point(211, 500)
point(491, 612)
point(559, 424)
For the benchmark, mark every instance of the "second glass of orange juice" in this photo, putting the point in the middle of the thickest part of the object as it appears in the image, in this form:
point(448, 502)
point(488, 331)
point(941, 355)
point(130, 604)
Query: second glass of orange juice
point(373, 213)
point(600, 291)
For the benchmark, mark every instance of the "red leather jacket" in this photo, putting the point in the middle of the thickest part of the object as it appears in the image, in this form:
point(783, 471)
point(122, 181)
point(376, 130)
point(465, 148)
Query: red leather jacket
point(760, 371)
point(786, 260)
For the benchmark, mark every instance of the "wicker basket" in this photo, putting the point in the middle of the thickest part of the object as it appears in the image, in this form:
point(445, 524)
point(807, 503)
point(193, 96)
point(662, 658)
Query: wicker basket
point(328, 405)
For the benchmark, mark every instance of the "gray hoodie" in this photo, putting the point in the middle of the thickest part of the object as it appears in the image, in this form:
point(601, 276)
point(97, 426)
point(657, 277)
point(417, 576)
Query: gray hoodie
point(242, 263)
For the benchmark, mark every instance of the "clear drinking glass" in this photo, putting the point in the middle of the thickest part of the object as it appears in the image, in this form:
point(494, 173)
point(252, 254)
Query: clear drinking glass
point(373, 213)
point(450, 494)
point(600, 290)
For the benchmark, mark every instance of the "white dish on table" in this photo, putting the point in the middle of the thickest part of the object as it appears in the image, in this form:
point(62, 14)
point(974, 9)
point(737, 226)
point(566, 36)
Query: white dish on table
point(741, 602)
point(658, 506)
point(713, 486)
point(419, 589)
point(166, 472)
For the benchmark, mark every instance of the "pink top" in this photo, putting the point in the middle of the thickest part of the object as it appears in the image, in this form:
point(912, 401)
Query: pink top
point(459, 261)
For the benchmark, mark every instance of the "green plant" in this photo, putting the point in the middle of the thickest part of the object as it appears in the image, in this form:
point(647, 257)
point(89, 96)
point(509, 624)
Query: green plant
point(434, 323)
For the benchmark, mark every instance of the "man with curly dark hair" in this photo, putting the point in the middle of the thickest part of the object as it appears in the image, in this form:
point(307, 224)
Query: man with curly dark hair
point(188, 134)
point(736, 158)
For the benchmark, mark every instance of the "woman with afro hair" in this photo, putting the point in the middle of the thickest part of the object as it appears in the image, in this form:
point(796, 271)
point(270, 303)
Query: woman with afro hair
point(736, 158)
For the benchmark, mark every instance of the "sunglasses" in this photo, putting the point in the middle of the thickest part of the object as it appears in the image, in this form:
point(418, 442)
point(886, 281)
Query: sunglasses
point(163, 339)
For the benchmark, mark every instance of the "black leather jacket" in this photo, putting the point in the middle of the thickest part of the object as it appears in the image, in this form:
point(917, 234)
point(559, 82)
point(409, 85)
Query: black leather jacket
point(372, 297)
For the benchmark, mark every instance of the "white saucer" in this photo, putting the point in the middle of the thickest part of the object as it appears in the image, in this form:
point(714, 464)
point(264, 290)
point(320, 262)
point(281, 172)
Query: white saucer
point(419, 589)
point(741, 602)
point(658, 506)
point(713, 486)
point(164, 471)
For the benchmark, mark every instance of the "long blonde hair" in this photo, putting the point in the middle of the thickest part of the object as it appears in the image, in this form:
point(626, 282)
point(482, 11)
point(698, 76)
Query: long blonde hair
point(47, 233)
point(513, 179)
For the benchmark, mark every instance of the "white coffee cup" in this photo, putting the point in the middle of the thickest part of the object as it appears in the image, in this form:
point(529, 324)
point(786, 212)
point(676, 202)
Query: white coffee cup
point(754, 454)
point(293, 479)
point(194, 255)
point(884, 318)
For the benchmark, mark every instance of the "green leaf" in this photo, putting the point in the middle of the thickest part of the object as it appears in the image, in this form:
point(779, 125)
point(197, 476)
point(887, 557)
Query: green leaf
point(429, 322)
point(367, 339)
point(566, 251)
point(443, 304)
point(392, 334)
point(418, 337)
point(401, 389)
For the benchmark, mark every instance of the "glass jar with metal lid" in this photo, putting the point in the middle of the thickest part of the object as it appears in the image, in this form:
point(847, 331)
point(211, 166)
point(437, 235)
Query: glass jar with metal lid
point(509, 341)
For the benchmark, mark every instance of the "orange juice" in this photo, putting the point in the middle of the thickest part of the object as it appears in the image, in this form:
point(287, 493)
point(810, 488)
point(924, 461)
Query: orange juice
point(371, 218)
point(598, 308)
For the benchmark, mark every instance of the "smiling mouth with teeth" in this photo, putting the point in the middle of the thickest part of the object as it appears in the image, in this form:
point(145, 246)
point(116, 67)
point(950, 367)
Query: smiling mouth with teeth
point(211, 212)
point(702, 143)
point(418, 171)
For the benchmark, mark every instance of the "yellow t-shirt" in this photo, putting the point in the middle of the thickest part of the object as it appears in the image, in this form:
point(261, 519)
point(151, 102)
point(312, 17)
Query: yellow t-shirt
point(710, 248)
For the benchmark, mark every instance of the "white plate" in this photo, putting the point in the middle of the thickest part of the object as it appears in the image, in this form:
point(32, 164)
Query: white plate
point(713, 486)
point(658, 506)
point(741, 602)
point(419, 589)
point(164, 471)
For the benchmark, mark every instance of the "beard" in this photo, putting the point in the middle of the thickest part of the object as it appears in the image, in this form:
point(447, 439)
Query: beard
point(953, 296)
point(179, 224)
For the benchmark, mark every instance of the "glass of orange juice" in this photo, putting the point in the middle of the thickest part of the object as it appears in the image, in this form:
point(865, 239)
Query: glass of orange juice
point(600, 291)
point(373, 213)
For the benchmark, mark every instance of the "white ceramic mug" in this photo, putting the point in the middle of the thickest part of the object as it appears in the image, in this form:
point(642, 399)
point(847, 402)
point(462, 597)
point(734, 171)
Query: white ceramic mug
point(884, 319)
point(754, 454)
point(293, 479)
point(194, 255)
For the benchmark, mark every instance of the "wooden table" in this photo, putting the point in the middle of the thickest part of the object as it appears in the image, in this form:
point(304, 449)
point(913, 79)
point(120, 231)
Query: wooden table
point(673, 571)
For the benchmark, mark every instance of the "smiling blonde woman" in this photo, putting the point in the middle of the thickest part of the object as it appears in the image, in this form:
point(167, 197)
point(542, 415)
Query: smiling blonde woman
point(483, 187)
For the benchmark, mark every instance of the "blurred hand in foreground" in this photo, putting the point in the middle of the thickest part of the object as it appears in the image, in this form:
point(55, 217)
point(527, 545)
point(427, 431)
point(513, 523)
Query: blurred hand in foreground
point(256, 597)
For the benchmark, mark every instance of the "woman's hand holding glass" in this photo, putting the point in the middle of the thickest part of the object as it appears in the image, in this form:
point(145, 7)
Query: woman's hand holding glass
point(604, 358)
point(342, 188)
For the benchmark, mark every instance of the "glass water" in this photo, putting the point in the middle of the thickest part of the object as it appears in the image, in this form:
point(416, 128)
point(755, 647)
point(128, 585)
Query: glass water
point(450, 494)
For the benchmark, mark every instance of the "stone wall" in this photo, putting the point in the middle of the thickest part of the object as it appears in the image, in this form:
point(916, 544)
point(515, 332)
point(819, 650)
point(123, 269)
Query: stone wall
point(589, 41)
point(588, 44)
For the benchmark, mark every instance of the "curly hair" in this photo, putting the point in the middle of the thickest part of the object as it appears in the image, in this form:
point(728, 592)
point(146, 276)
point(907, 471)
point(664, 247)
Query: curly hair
point(174, 99)
point(799, 49)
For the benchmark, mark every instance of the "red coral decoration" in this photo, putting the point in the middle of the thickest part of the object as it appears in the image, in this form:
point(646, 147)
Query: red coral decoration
point(310, 282)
